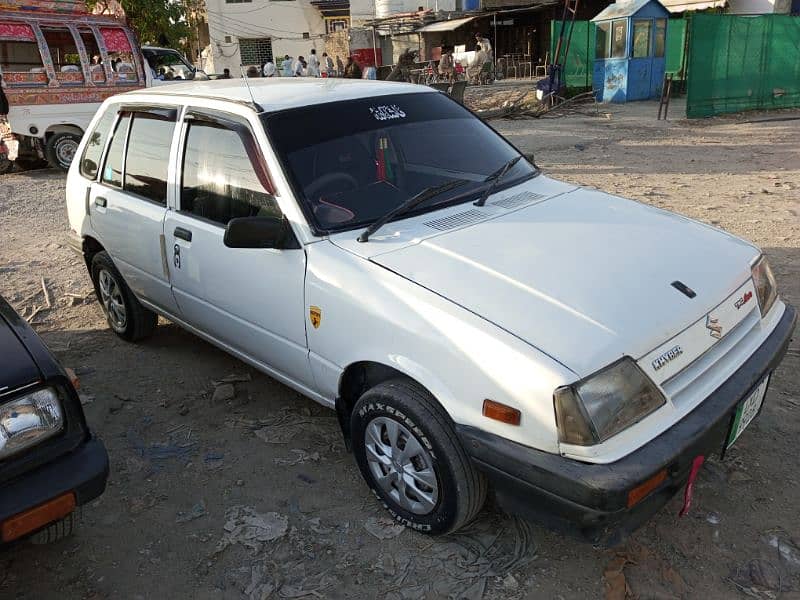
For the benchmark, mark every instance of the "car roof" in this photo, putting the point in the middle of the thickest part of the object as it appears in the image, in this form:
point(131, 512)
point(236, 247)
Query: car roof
point(273, 94)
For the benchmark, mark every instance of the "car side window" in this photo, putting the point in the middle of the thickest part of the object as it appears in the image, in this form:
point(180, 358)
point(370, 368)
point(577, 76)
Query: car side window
point(147, 158)
point(112, 170)
point(221, 179)
point(93, 152)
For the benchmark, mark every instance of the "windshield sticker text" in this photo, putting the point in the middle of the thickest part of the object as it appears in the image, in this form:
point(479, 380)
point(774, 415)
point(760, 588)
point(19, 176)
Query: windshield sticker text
point(387, 112)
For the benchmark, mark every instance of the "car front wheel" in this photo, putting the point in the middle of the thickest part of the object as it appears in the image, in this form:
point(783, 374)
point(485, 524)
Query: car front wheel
point(125, 315)
point(412, 459)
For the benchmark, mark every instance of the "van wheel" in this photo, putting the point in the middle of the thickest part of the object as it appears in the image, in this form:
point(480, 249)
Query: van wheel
point(60, 149)
point(412, 459)
point(6, 166)
point(125, 315)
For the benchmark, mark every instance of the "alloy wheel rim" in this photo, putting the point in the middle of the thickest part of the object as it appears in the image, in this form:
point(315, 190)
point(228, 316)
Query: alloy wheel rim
point(401, 465)
point(111, 297)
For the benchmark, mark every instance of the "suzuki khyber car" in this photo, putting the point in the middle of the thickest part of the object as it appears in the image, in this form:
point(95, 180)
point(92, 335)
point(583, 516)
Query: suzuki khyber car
point(49, 461)
point(384, 252)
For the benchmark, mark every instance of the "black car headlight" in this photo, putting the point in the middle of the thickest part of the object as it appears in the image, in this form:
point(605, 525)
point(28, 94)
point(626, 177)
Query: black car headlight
point(766, 288)
point(29, 420)
point(603, 404)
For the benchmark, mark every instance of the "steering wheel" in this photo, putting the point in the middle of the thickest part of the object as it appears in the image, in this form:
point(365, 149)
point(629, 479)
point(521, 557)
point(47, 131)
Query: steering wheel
point(321, 183)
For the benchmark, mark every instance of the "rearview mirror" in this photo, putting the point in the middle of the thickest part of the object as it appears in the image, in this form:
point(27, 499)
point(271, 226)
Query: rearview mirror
point(256, 232)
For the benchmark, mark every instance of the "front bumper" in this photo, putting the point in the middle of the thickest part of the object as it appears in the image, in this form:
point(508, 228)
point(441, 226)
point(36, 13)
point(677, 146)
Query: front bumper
point(591, 499)
point(83, 471)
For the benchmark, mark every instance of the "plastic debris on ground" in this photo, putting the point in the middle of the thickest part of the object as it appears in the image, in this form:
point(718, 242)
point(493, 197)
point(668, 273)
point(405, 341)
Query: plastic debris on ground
point(300, 457)
point(251, 528)
point(197, 511)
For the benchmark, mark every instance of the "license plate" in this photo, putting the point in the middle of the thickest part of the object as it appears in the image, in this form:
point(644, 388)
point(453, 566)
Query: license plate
point(747, 411)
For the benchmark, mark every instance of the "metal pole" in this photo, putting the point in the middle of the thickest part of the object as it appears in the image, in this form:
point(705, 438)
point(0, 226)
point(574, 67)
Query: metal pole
point(374, 49)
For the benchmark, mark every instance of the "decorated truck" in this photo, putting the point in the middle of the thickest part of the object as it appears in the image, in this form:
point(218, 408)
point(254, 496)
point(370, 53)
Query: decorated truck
point(58, 63)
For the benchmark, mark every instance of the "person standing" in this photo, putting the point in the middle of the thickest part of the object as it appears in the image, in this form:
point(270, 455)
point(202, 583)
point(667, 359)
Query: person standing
point(226, 74)
point(313, 64)
point(476, 65)
point(339, 66)
point(286, 66)
point(3, 102)
point(447, 67)
point(485, 44)
point(352, 70)
point(327, 64)
point(297, 68)
point(269, 69)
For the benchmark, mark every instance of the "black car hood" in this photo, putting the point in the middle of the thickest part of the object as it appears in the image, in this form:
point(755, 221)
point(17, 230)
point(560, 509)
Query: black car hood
point(17, 367)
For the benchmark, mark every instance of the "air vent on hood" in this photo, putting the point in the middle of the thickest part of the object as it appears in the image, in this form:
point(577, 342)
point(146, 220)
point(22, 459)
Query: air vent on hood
point(518, 200)
point(457, 220)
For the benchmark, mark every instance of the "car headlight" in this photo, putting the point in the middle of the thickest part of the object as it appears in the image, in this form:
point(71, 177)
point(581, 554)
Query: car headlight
point(29, 420)
point(766, 288)
point(603, 404)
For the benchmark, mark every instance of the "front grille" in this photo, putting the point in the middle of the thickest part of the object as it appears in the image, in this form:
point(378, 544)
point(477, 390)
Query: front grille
point(708, 371)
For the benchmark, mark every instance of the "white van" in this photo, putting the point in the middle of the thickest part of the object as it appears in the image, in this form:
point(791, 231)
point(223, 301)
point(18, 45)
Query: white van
point(58, 68)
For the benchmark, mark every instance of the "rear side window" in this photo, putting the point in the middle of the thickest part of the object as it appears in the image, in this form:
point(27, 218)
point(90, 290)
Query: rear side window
point(93, 152)
point(221, 179)
point(20, 60)
point(112, 170)
point(64, 54)
point(148, 155)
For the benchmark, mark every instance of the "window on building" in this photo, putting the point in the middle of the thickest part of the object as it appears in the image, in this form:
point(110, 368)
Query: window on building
point(332, 25)
point(93, 52)
point(603, 37)
point(660, 36)
point(220, 181)
point(97, 141)
point(64, 54)
point(641, 38)
point(112, 171)
point(148, 154)
point(255, 51)
point(619, 38)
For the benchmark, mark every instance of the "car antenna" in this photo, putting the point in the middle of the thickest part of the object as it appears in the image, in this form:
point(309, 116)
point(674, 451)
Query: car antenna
point(247, 83)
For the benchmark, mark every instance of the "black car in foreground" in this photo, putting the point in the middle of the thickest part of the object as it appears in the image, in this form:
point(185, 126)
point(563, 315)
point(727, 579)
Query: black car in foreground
point(49, 461)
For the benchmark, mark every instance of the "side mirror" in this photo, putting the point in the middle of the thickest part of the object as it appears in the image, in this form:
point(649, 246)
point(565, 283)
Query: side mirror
point(256, 232)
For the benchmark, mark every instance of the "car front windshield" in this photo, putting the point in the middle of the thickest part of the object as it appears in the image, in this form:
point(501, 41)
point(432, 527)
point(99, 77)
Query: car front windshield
point(169, 64)
point(352, 162)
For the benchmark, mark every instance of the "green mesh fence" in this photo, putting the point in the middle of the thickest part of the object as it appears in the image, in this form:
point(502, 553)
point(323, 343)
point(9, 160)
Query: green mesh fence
point(742, 63)
point(580, 55)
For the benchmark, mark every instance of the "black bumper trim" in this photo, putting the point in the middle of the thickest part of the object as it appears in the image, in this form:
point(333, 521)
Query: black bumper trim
point(593, 498)
point(84, 471)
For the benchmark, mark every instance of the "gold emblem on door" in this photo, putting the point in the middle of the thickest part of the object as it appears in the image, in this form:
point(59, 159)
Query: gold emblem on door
point(315, 314)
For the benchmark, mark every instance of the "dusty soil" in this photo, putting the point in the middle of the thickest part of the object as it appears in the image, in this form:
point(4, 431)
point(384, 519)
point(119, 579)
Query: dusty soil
point(184, 466)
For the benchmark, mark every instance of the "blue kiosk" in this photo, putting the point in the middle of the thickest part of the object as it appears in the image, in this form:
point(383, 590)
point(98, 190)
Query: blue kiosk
point(630, 51)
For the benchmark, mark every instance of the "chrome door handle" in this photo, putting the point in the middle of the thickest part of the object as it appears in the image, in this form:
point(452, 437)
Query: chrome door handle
point(100, 201)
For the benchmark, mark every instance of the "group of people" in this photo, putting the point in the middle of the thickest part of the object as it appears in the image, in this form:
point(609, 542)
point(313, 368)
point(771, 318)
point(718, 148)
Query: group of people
point(482, 55)
point(308, 67)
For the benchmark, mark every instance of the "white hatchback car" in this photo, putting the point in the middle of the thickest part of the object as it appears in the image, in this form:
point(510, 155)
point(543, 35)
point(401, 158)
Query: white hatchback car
point(384, 252)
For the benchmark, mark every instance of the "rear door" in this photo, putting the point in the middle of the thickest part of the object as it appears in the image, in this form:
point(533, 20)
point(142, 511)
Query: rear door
point(128, 202)
point(250, 300)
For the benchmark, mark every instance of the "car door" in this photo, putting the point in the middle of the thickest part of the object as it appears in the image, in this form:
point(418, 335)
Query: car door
point(128, 202)
point(250, 300)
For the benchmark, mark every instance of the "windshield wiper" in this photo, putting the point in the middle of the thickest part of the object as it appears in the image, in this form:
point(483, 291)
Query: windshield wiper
point(416, 200)
point(495, 178)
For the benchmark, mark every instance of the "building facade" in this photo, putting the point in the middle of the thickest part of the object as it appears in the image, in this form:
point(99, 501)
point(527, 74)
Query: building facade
point(245, 33)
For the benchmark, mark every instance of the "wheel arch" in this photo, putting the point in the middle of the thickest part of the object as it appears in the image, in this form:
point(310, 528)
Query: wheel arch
point(90, 247)
point(360, 376)
point(62, 128)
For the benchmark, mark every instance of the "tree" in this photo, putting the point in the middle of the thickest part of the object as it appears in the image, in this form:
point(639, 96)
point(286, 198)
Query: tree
point(156, 22)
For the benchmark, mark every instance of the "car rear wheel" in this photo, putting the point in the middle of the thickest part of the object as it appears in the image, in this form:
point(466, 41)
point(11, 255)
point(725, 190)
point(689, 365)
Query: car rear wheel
point(56, 531)
point(125, 315)
point(61, 148)
point(412, 459)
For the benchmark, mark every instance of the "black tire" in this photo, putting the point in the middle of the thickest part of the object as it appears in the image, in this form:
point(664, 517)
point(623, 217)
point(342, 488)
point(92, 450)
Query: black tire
point(138, 322)
point(6, 166)
point(461, 487)
point(56, 531)
point(60, 149)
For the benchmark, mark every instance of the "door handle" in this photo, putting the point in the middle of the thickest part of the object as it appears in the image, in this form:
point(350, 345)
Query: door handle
point(183, 234)
point(100, 201)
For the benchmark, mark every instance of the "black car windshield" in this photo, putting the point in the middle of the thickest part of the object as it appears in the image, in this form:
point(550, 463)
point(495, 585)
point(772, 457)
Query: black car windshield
point(352, 162)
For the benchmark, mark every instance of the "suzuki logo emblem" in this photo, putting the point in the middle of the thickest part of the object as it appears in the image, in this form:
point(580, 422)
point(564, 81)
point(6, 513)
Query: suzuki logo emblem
point(713, 326)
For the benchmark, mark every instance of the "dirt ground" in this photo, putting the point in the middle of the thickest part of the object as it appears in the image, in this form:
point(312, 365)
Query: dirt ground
point(188, 472)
